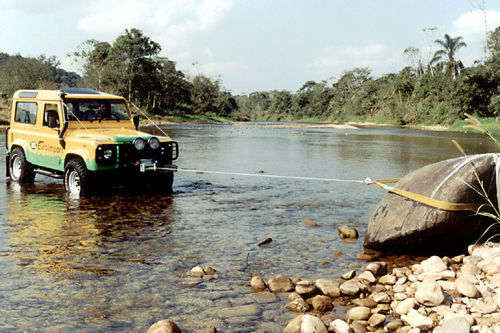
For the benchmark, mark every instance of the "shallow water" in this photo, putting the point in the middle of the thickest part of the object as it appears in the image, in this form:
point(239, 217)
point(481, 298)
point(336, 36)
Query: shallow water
point(118, 263)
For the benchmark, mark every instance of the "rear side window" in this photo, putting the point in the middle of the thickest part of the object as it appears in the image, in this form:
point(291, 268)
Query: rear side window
point(26, 112)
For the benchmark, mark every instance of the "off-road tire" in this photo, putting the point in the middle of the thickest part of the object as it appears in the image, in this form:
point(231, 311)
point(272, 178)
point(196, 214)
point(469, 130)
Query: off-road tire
point(78, 180)
point(20, 170)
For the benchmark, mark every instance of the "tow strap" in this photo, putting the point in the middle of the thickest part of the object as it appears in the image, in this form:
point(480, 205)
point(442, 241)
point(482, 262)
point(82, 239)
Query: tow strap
point(443, 205)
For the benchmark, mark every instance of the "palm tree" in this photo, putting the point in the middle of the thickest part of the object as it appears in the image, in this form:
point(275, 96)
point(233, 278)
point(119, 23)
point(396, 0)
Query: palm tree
point(449, 47)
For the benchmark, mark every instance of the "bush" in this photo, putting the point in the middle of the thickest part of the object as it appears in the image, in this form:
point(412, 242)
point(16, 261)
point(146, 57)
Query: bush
point(494, 105)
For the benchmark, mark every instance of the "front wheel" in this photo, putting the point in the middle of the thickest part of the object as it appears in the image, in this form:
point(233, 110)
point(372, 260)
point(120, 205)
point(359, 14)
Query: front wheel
point(160, 183)
point(20, 170)
point(77, 179)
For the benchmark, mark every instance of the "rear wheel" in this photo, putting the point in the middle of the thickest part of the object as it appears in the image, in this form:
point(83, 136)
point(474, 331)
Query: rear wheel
point(20, 170)
point(77, 179)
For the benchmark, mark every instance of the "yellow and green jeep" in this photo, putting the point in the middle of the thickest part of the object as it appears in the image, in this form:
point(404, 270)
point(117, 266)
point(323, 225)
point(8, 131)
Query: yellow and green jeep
point(86, 138)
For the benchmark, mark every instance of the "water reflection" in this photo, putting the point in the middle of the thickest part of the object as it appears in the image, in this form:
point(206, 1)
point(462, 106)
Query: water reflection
point(54, 234)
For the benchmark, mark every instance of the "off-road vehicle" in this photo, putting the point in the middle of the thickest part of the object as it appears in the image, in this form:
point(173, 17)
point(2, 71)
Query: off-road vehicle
point(87, 138)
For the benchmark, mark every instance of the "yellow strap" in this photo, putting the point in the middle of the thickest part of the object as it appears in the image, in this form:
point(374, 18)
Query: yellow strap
point(443, 205)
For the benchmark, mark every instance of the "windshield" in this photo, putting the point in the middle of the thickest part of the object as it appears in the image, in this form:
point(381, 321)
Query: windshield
point(98, 109)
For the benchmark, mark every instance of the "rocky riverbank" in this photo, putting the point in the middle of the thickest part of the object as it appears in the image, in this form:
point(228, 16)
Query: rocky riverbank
point(438, 294)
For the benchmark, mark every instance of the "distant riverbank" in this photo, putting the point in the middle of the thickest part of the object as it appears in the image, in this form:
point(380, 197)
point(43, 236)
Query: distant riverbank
point(490, 124)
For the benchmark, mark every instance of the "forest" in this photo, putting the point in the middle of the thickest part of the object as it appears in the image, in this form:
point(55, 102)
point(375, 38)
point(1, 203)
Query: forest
point(439, 92)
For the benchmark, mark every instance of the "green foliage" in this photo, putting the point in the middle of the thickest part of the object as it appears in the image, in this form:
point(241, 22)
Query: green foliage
point(132, 67)
point(440, 92)
point(17, 72)
point(475, 90)
point(445, 57)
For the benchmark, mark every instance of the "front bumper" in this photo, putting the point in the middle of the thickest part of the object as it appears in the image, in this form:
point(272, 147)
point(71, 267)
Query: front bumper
point(150, 165)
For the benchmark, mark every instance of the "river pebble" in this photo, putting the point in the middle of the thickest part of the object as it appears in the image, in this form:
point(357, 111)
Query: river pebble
point(346, 232)
point(339, 326)
point(466, 288)
point(280, 283)
point(358, 313)
point(321, 303)
point(164, 326)
point(305, 288)
point(257, 283)
point(429, 292)
point(388, 279)
point(433, 265)
point(440, 299)
point(348, 275)
point(376, 268)
point(298, 305)
point(352, 287)
point(450, 298)
point(328, 287)
point(454, 325)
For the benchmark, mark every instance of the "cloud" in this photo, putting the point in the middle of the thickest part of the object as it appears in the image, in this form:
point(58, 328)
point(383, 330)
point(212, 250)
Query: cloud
point(337, 58)
point(471, 26)
point(172, 19)
point(213, 69)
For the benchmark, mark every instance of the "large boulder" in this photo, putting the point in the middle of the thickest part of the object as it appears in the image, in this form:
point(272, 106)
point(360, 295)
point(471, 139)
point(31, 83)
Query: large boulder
point(400, 224)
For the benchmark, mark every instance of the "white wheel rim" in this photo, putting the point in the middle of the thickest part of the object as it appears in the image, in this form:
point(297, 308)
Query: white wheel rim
point(74, 182)
point(16, 167)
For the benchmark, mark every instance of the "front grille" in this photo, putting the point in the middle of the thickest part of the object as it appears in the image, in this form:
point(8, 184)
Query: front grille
point(165, 154)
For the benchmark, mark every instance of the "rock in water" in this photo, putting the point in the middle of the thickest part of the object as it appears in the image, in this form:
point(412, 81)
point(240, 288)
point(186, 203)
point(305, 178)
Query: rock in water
point(164, 326)
point(346, 232)
point(400, 224)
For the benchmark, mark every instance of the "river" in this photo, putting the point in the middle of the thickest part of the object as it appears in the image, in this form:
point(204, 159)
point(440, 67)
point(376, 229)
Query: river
point(118, 263)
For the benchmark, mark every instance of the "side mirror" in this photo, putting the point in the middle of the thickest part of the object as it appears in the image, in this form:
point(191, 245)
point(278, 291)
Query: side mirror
point(136, 122)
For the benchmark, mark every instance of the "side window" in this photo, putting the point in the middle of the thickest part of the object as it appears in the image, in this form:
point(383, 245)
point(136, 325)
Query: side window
point(50, 116)
point(26, 112)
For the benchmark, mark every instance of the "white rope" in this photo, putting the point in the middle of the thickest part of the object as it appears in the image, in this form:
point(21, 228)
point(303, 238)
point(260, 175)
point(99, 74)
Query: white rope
point(366, 181)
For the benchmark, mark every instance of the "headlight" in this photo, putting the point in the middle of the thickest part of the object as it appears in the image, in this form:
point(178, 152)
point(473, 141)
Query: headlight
point(139, 143)
point(108, 154)
point(154, 143)
point(105, 154)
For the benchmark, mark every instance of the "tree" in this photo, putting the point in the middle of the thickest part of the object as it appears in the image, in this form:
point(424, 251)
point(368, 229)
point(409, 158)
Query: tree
point(449, 48)
point(415, 58)
point(204, 94)
point(404, 84)
point(281, 103)
point(170, 88)
point(350, 81)
point(131, 67)
point(17, 72)
point(95, 57)
point(494, 48)
point(24, 73)
point(132, 59)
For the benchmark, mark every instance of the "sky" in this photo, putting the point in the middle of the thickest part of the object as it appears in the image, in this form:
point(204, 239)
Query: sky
point(255, 45)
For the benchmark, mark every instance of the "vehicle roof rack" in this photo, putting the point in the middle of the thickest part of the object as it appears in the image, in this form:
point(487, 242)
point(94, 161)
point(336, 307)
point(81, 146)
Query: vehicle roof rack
point(73, 90)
